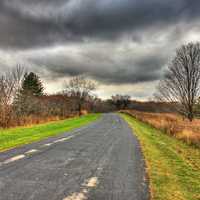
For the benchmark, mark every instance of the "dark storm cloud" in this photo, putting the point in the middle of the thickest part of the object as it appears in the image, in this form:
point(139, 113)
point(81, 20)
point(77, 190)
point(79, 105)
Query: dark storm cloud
point(104, 66)
point(113, 41)
point(32, 23)
point(20, 30)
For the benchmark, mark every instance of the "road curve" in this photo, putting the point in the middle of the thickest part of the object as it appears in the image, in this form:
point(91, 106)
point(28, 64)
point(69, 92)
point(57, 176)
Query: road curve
point(101, 161)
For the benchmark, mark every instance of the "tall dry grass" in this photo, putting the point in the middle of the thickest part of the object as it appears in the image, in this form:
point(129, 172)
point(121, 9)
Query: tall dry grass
point(172, 124)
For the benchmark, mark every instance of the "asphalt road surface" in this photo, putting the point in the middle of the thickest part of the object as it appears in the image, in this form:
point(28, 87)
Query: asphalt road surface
point(101, 161)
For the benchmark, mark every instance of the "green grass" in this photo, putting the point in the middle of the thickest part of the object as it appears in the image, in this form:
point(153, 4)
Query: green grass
point(10, 138)
point(173, 166)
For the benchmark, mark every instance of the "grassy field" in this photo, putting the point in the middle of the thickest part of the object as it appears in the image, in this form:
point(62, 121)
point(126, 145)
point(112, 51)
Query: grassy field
point(173, 166)
point(172, 124)
point(10, 138)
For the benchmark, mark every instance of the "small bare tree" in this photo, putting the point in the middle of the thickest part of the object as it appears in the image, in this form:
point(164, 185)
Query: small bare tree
point(10, 83)
point(182, 79)
point(80, 88)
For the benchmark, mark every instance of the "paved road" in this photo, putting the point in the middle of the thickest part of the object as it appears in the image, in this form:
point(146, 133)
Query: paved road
point(101, 161)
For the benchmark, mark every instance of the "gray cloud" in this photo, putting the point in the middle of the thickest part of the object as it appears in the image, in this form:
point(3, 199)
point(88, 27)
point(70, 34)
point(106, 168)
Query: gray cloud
point(113, 41)
point(110, 63)
point(32, 23)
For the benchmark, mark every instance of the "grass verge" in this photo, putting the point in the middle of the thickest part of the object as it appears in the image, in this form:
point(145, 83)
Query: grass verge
point(10, 138)
point(173, 166)
point(172, 124)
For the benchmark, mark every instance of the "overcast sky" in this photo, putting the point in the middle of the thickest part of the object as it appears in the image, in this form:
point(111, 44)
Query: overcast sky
point(125, 45)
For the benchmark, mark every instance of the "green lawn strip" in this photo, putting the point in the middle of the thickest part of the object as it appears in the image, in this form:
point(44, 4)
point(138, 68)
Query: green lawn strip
point(173, 166)
point(10, 138)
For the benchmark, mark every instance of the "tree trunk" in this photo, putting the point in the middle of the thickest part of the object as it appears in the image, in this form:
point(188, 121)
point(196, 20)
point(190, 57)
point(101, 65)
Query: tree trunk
point(79, 109)
point(190, 116)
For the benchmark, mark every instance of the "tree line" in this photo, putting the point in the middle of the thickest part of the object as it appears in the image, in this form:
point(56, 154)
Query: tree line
point(23, 100)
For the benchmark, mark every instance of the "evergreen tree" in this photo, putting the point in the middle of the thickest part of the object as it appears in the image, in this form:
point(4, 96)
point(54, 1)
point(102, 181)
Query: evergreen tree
point(26, 101)
point(32, 85)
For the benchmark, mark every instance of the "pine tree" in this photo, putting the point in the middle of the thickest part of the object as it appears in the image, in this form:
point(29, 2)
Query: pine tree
point(26, 101)
point(32, 85)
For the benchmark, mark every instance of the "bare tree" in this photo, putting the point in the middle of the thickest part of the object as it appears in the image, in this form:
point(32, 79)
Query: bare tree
point(9, 85)
point(121, 101)
point(80, 89)
point(197, 107)
point(182, 79)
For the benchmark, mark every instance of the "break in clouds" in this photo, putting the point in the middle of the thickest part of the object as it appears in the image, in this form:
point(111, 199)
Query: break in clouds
point(121, 44)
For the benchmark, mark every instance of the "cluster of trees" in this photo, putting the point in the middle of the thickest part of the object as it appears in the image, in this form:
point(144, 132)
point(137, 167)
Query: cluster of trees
point(20, 94)
point(181, 83)
point(121, 102)
point(23, 101)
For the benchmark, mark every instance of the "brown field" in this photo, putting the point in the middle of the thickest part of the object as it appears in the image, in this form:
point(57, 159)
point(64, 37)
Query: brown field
point(172, 124)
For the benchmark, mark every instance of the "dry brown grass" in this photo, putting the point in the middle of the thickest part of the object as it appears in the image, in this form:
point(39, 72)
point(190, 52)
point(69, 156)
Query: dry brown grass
point(172, 124)
point(34, 120)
